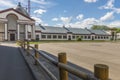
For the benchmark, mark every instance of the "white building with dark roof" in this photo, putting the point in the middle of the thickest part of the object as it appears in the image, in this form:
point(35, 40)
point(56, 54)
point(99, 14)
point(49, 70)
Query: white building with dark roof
point(15, 23)
point(64, 33)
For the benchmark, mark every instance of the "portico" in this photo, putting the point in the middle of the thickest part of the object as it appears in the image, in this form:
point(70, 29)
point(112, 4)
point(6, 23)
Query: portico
point(16, 24)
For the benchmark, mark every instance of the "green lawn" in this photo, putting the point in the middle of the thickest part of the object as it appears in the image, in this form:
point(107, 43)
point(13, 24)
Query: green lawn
point(58, 41)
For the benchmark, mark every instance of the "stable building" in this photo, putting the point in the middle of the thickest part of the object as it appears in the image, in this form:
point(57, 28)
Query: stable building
point(16, 24)
point(64, 33)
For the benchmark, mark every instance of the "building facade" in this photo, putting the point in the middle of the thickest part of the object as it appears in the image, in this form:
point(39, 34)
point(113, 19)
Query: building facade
point(16, 24)
point(63, 33)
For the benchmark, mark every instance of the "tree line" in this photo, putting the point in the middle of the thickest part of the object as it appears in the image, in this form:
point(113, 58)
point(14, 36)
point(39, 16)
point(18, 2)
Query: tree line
point(104, 27)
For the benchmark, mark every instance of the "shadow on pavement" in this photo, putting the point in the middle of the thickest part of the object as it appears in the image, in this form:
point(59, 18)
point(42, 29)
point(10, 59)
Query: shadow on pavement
point(55, 71)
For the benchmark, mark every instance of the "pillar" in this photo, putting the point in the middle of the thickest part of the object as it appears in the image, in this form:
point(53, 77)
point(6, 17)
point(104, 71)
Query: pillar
point(33, 32)
point(6, 32)
point(26, 32)
point(18, 32)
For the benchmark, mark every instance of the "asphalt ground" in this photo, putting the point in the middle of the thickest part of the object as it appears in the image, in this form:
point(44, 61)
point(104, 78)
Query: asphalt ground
point(13, 65)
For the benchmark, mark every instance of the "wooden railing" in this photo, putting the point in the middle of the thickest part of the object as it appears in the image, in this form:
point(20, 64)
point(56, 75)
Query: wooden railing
point(101, 71)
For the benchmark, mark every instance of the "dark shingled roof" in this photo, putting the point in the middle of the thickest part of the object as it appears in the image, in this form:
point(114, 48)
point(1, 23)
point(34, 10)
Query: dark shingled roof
point(50, 29)
point(99, 32)
point(78, 31)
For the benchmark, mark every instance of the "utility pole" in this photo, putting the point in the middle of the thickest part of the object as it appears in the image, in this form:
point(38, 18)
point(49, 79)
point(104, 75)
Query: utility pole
point(29, 6)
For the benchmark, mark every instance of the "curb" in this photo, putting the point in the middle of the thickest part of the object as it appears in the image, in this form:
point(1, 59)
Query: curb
point(28, 64)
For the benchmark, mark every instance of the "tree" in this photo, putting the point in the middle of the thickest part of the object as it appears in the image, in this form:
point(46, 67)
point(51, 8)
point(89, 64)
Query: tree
point(100, 27)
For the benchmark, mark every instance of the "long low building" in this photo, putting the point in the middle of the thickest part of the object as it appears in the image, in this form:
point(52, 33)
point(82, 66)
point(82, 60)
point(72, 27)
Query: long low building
point(64, 33)
point(16, 24)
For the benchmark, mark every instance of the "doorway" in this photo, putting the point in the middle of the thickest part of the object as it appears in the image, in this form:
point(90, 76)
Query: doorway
point(69, 37)
point(12, 37)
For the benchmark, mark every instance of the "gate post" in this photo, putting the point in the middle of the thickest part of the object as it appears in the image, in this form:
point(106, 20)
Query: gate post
point(28, 49)
point(101, 71)
point(62, 72)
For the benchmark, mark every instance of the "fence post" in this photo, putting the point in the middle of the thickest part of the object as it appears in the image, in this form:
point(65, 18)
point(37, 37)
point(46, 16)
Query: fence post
point(62, 72)
point(101, 71)
point(24, 45)
point(28, 48)
point(36, 54)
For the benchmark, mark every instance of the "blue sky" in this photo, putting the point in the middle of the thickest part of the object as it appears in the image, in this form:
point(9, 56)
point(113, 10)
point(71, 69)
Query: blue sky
point(71, 13)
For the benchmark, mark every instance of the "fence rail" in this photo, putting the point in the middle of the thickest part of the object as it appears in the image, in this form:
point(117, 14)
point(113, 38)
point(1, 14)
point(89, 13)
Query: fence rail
point(100, 70)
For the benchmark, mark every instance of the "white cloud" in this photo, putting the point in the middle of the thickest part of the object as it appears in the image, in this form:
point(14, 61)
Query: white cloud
point(66, 20)
point(55, 19)
point(6, 3)
point(80, 17)
point(40, 11)
point(38, 20)
point(40, 1)
point(114, 24)
point(85, 23)
point(117, 10)
point(108, 5)
point(107, 16)
point(90, 1)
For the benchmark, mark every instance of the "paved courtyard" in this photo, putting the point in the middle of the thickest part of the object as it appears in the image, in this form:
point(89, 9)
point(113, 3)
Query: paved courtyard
point(87, 54)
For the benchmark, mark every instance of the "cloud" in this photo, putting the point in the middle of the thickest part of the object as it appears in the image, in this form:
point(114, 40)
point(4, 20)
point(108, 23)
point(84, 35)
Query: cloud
point(66, 20)
point(38, 20)
point(108, 5)
point(40, 11)
point(117, 10)
point(107, 16)
point(114, 24)
point(90, 1)
point(55, 19)
point(40, 1)
point(86, 23)
point(6, 3)
point(80, 17)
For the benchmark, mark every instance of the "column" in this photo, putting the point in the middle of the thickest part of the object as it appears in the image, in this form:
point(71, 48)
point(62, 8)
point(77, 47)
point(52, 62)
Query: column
point(18, 32)
point(26, 32)
point(6, 35)
point(33, 32)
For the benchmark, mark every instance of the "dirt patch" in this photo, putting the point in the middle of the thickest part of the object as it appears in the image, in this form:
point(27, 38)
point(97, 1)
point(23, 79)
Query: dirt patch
point(87, 54)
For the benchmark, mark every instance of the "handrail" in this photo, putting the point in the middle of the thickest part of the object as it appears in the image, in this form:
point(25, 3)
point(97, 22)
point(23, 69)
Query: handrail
point(66, 67)
point(44, 68)
point(70, 69)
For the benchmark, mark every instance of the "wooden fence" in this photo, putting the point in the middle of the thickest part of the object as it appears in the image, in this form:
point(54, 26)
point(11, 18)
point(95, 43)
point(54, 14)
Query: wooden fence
point(101, 71)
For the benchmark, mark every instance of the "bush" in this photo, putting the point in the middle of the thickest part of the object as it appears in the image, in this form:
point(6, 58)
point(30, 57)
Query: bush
point(79, 39)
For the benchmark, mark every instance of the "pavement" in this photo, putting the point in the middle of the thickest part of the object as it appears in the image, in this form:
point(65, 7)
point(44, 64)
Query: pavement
point(12, 64)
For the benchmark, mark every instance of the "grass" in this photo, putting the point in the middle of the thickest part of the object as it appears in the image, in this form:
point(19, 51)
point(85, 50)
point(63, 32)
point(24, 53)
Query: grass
point(60, 41)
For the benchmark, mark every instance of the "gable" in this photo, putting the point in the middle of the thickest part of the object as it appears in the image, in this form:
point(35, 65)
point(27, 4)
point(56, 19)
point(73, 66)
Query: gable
point(4, 13)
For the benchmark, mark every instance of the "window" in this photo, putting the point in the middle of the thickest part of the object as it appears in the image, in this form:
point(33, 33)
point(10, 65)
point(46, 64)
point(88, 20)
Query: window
point(59, 36)
point(101, 37)
point(98, 37)
point(49, 36)
point(73, 37)
point(85, 37)
point(37, 37)
point(88, 37)
point(54, 36)
point(43, 36)
point(95, 37)
point(64, 36)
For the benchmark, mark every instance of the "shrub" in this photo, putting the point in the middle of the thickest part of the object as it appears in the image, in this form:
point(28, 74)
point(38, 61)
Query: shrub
point(79, 39)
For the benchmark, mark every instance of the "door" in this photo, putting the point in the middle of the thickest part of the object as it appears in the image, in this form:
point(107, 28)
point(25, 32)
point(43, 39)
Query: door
point(69, 37)
point(12, 37)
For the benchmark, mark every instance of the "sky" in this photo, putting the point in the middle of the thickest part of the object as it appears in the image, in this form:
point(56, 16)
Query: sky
point(71, 13)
